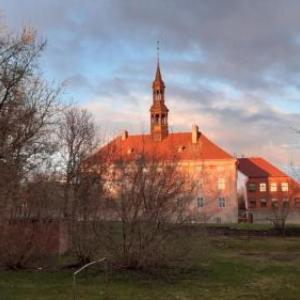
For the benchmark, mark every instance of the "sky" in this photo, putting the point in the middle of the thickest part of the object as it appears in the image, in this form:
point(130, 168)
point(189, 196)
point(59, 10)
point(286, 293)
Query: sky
point(232, 67)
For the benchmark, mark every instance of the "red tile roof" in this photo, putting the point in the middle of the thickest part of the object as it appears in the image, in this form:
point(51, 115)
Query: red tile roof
point(174, 146)
point(258, 167)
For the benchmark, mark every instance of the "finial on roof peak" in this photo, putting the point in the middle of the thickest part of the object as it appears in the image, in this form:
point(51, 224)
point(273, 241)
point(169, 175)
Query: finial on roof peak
point(157, 49)
point(158, 77)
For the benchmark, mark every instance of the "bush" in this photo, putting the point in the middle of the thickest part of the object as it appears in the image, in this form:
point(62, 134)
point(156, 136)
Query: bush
point(23, 242)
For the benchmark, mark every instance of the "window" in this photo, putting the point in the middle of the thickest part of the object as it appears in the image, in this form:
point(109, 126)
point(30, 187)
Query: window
point(200, 201)
point(252, 203)
point(181, 148)
point(220, 168)
point(273, 187)
point(221, 184)
point(179, 201)
point(297, 202)
point(263, 202)
point(130, 151)
point(251, 187)
point(159, 170)
point(218, 220)
point(274, 203)
point(18, 210)
point(221, 202)
point(284, 187)
point(285, 203)
point(262, 187)
point(179, 169)
point(200, 182)
point(199, 168)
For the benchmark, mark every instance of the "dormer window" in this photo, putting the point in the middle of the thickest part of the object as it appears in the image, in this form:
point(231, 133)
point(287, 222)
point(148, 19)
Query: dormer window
point(181, 148)
point(130, 150)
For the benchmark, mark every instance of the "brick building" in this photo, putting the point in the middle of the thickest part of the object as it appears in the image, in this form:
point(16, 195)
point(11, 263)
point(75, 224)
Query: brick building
point(267, 188)
point(213, 169)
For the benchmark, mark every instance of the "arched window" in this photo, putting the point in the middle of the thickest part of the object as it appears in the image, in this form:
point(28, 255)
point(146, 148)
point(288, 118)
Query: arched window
point(158, 95)
point(157, 118)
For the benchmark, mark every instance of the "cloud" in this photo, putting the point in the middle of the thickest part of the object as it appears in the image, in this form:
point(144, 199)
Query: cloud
point(231, 66)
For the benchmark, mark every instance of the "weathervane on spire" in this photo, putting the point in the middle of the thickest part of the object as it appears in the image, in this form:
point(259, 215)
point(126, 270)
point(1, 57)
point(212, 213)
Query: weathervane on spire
point(157, 48)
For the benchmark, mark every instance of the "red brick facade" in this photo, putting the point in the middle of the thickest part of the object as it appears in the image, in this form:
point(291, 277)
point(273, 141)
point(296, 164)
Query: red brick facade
point(268, 188)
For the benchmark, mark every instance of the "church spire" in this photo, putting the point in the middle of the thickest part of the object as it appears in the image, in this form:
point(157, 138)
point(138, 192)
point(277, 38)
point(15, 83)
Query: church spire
point(158, 77)
point(158, 110)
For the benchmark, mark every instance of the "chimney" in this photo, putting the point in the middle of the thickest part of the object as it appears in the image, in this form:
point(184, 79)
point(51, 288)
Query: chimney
point(124, 135)
point(195, 134)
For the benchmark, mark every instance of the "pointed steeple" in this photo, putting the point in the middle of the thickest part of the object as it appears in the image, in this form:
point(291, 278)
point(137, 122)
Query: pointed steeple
point(158, 110)
point(158, 83)
point(158, 74)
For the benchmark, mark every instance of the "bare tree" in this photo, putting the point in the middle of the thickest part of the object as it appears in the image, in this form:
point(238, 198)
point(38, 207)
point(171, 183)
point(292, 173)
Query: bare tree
point(149, 199)
point(280, 212)
point(82, 189)
point(28, 108)
point(77, 139)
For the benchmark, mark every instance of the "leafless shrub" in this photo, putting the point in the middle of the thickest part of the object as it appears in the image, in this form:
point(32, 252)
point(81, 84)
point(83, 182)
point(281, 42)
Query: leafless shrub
point(279, 216)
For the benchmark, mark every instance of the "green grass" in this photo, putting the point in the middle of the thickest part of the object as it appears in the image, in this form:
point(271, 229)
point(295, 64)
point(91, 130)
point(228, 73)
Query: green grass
point(237, 268)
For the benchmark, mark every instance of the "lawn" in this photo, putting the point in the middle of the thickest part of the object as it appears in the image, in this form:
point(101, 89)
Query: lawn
point(236, 268)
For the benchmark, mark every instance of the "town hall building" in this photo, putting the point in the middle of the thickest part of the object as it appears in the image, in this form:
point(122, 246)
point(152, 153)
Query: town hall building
point(214, 170)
